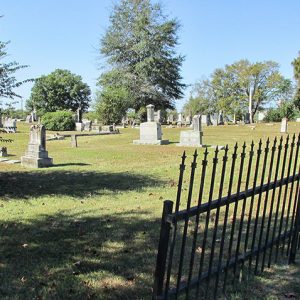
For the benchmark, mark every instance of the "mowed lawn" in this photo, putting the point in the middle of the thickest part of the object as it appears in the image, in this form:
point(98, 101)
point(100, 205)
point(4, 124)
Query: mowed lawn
point(88, 227)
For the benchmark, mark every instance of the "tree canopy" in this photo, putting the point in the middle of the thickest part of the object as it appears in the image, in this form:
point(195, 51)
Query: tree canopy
point(242, 87)
point(59, 90)
point(139, 50)
point(8, 82)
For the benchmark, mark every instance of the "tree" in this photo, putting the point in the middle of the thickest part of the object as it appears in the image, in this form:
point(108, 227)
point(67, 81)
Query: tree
point(59, 90)
point(139, 47)
point(8, 82)
point(244, 86)
point(296, 65)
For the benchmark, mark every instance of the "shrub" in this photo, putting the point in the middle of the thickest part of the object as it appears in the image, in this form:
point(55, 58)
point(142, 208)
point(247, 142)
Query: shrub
point(59, 120)
point(285, 110)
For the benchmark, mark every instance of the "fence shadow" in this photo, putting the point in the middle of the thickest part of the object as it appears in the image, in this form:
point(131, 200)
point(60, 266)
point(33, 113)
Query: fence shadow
point(24, 185)
point(72, 257)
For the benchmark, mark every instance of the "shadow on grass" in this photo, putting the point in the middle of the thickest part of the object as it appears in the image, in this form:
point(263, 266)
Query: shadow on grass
point(16, 185)
point(72, 257)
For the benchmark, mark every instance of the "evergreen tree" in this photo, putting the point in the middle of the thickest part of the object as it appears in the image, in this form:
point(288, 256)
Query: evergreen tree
point(139, 47)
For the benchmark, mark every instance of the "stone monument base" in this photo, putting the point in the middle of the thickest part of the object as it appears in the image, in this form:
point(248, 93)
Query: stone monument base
point(191, 138)
point(33, 162)
point(151, 142)
point(79, 126)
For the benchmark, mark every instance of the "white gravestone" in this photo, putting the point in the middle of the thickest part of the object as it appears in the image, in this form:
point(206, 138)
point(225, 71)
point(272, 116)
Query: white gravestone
point(284, 125)
point(192, 138)
point(150, 131)
point(36, 155)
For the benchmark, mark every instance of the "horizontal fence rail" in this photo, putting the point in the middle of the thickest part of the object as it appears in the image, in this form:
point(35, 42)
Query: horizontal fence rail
point(244, 217)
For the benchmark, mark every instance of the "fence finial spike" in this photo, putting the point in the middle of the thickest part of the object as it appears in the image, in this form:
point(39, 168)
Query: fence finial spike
point(183, 155)
point(205, 152)
point(226, 148)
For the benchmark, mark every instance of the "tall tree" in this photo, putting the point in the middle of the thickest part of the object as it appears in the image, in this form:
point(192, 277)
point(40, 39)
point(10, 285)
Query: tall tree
point(296, 65)
point(139, 45)
point(59, 90)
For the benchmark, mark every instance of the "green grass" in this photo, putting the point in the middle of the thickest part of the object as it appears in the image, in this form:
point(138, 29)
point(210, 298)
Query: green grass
point(87, 228)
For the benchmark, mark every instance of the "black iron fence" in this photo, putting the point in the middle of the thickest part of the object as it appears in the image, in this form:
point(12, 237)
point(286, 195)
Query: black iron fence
point(246, 215)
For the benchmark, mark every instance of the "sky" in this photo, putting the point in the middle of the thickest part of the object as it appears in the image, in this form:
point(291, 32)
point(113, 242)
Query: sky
point(66, 34)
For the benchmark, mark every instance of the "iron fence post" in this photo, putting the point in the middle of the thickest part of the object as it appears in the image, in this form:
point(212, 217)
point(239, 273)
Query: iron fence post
point(295, 233)
point(162, 251)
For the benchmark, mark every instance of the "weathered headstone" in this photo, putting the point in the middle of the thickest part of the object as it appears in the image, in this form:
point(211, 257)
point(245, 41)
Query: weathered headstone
point(204, 120)
point(284, 125)
point(214, 119)
point(179, 120)
point(188, 120)
point(247, 118)
point(298, 120)
point(33, 116)
point(3, 152)
point(10, 125)
point(192, 138)
point(29, 119)
point(150, 131)
point(79, 126)
point(157, 116)
point(36, 155)
point(86, 125)
point(220, 118)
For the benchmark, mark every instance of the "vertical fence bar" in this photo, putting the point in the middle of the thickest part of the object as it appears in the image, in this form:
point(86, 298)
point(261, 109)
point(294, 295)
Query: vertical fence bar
point(226, 214)
point(211, 190)
point(252, 196)
point(186, 221)
point(277, 205)
point(162, 250)
point(291, 190)
point(251, 153)
point(295, 232)
point(223, 172)
point(295, 198)
point(234, 213)
point(172, 246)
point(262, 227)
point(286, 146)
point(279, 151)
point(265, 208)
point(259, 203)
point(258, 206)
point(194, 243)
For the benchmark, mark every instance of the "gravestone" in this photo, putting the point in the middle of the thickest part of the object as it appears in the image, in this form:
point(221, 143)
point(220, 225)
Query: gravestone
point(284, 125)
point(78, 120)
point(204, 120)
point(247, 118)
point(3, 152)
point(188, 120)
point(157, 116)
point(150, 131)
point(214, 119)
point(192, 138)
point(86, 125)
point(10, 125)
point(29, 119)
point(298, 120)
point(220, 118)
point(179, 120)
point(33, 116)
point(36, 155)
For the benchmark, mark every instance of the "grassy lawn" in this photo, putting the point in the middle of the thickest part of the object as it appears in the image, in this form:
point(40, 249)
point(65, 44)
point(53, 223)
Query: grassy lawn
point(88, 227)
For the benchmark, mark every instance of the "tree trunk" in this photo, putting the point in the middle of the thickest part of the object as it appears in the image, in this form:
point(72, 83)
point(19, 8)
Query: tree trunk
point(250, 106)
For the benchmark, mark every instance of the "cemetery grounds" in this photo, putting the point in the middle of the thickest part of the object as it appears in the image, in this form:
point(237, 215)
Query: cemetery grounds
point(88, 227)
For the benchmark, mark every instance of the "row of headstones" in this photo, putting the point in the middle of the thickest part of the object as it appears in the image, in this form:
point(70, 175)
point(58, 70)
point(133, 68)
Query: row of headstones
point(7, 124)
point(151, 132)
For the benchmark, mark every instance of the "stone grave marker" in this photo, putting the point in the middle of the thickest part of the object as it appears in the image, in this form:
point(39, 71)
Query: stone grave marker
point(192, 138)
point(150, 131)
point(284, 125)
point(36, 155)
